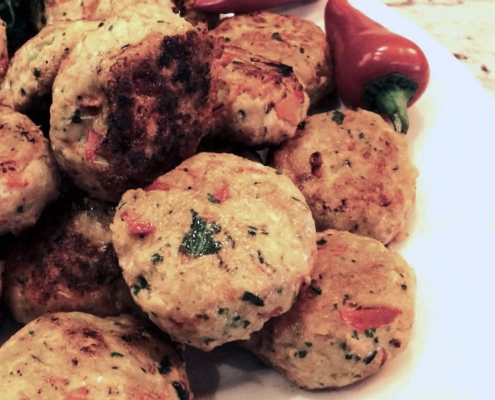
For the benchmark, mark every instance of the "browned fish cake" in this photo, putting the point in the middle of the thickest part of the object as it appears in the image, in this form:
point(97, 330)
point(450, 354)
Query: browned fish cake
point(52, 12)
point(36, 63)
point(259, 102)
point(134, 110)
point(356, 315)
point(288, 40)
point(29, 179)
point(355, 172)
point(65, 356)
point(66, 263)
point(214, 248)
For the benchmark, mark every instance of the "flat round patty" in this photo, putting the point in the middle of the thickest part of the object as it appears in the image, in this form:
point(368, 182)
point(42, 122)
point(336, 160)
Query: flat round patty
point(66, 263)
point(355, 172)
point(356, 315)
point(81, 356)
point(131, 102)
point(215, 248)
point(259, 102)
point(29, 178)
point(292, 41)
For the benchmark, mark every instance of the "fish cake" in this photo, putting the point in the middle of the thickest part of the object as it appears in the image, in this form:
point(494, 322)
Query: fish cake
point(36, 63)
point(289, 40)
point(29, 179)
point(4, 51)
point(355, 172)
point(55, 11)
point(67, 263)
point(259, 102)
point(356, 315)
point(214, 248)
point(131, 101)
point(186, 10)
point(64, 356)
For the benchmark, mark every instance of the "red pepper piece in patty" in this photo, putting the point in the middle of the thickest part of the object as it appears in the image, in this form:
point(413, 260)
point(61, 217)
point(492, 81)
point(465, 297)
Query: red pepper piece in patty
point(375, 68)
point(367, 318)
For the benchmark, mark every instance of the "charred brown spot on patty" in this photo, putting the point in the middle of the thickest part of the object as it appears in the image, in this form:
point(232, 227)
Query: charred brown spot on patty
point(160, 107)
point(58, 259)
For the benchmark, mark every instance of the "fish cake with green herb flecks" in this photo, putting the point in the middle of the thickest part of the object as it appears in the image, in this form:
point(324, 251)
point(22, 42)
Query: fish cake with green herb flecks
point(355, 316)
point(131, 101)
point(53, 12)
point(36, 63)
point(214, 248)
point(29, 179)
point(65, 356)
point(259, 102)
point(355, 172)
point(292, 41)
point(67, 263)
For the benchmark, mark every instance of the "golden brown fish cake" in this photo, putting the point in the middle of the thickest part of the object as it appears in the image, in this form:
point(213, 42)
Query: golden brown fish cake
point(259, 102)
point(215, 248)
point(288, 40)
point(67, 263)
point(355, 172)
point(356, 315)
point(29, 179)
point(54, 11)
point(4, 52)
point(65, 356)
point(131, 102)
point(36, 63)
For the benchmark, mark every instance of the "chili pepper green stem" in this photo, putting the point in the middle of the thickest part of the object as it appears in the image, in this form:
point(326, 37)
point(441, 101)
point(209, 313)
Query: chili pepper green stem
point(390, 96)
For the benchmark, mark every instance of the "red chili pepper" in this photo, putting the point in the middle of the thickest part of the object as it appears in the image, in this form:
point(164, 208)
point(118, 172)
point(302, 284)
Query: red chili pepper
point(375, 68)
point(241, 6)
point(367, 318)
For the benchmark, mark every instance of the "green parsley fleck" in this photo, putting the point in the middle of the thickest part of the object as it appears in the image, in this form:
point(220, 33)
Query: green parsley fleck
point(212, 199)
point(141, 283)
point(156, 258)
point(253, 299)
point(338, 117)
point(199, 241)
point(116, 354)
point(370, 357)
point(276, 36)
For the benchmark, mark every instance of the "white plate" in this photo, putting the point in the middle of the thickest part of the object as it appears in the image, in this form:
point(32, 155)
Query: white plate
point(451, 248)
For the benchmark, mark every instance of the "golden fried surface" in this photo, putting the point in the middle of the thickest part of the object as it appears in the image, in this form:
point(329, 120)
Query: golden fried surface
point(28, 176)
point(50, 12)
point(36, 63)
point(259, 102)
point(288, 40)
point(67, 263)
point(79, 356)
point(356, 315)
point(131, 102)
point(355, 172)
point(215, 248)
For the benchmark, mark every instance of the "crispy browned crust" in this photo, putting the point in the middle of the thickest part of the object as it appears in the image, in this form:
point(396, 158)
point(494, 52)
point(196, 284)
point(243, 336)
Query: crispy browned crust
point(160, 107)
point(58, 267)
